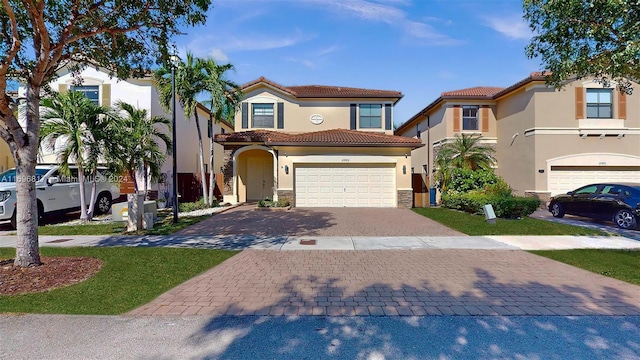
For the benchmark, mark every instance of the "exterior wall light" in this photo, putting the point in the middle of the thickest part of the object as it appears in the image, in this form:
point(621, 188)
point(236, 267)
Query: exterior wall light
point(286, 169)
point(404, 169)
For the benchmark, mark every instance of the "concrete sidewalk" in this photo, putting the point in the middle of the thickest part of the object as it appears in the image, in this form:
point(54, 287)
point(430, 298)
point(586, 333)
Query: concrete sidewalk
point(241, 242)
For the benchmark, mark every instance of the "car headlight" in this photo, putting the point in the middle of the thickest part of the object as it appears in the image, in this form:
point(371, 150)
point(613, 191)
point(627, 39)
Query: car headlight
point(4, 195)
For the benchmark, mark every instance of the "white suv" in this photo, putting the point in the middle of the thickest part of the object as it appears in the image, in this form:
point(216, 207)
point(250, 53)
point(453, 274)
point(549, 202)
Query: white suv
point(56, 192)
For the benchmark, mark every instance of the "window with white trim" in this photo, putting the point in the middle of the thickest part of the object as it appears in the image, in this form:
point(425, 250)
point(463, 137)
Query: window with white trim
point(469, 118)
point(599, 103)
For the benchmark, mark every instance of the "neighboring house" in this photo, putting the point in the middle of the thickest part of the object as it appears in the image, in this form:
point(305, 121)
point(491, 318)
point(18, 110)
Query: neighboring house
point(547, 141)
point(6, 158)
point(318, 146)
point(105, 90)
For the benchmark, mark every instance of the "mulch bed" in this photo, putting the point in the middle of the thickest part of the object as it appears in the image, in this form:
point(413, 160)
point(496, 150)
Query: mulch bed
point(55, 272)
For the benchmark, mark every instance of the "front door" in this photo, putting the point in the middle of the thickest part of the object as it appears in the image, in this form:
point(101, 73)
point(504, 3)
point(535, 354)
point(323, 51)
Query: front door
point(259, 176)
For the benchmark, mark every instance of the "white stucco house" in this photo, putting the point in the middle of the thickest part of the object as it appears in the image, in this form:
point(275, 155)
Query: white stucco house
point(105, 90)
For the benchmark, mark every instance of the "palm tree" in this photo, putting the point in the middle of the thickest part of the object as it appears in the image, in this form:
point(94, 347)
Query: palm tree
point(190, 80)
point(464, 151)
point(224, 98)
point(84, 129)
point(140, 138)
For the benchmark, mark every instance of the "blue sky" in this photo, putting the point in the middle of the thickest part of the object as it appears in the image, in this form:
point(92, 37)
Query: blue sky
point(418, 47)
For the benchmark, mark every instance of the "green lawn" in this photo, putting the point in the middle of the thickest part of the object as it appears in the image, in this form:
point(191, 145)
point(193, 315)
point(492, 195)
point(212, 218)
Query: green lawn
point(129, 278)
point(164, 226)
point(620, 264)
point(477, 225)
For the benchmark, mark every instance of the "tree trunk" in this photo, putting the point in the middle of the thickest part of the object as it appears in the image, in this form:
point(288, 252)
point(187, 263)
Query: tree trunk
point(211, 169)
point(27, 247)
point(83, 198)
point(133, 176)
point(92, 198)
point(146, 182)
point(201, 157)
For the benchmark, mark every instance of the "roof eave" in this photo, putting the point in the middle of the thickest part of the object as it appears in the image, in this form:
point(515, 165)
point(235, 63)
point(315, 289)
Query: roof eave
point(333, 144)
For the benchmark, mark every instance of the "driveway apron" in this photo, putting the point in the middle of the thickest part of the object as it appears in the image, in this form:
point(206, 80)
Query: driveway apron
point(248, 220)
point(396, 282)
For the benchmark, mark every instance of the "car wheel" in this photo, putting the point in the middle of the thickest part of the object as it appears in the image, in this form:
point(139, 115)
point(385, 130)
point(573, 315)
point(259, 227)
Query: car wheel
point(625, 219)
point(556, 210)
point(14, 221)
point(103, 203)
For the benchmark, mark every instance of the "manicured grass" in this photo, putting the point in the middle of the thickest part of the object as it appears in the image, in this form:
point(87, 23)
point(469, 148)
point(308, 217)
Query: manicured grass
point(129, 278)
point(164, 226)
point(620, 264)
point(477, 225)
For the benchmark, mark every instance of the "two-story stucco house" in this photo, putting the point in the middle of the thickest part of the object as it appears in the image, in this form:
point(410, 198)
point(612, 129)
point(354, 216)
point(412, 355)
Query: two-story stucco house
point(547, 141)
point(319, 146)
point(105, 90)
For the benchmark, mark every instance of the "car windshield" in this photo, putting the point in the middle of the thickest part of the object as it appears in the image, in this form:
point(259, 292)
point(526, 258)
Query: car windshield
point(10, 175)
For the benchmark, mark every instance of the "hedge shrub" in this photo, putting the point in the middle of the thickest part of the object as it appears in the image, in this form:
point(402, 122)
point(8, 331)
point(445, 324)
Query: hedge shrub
point(510, 207)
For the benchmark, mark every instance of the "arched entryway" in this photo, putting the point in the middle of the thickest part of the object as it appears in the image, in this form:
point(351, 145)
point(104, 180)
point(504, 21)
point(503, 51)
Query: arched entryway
point(256, 175)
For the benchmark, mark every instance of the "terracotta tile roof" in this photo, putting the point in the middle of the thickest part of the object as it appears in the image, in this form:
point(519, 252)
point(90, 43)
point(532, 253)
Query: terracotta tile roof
point(479, 91)
point(341, 91)
point(334, 137)
point(261, 136)
point(322, 91)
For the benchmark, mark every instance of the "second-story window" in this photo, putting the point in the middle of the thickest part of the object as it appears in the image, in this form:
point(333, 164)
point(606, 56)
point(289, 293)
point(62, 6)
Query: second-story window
point(469, 118)
point(599, 103)
point(262, 115)
point(90, 91)
point(371, 116)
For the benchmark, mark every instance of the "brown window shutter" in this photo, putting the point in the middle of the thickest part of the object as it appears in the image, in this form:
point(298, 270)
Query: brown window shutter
point(484, 116)
point(63, 88)
point(579, 103)
point(622, 105)
point(456, 118)
point(106, 95)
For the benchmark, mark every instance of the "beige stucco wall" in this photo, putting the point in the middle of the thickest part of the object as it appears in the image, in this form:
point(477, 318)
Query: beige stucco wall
point(297, 112)
point(547, 128)
point(6, 158)
point(515, 152)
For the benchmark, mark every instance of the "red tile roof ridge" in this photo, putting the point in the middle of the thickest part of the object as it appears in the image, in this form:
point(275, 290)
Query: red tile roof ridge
point(483, 91)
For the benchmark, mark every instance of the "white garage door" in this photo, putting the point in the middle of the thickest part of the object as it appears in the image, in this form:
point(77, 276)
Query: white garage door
point(333, 185)
point(566, 178)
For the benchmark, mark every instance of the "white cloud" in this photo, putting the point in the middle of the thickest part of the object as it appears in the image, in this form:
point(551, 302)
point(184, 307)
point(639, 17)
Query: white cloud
point(387, 13)
point(218, 55)
point(513, 27)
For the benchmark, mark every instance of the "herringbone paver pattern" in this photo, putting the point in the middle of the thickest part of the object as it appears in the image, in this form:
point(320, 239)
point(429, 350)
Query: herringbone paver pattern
point(396, 282)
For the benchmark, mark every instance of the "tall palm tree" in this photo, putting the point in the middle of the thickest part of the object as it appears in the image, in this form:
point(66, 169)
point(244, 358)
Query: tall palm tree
point(464, 151)
point(141, 139)
point(84, 130)
point(224, 99)
point(190, 80)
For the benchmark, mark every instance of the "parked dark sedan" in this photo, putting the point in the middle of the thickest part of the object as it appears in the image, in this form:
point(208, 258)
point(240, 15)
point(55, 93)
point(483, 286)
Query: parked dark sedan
point(619, 202)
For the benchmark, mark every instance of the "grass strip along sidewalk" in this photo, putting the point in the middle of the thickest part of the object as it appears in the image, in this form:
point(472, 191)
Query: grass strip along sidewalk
point(129, 278)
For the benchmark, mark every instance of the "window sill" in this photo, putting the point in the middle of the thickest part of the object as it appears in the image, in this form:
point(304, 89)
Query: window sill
point(601, 123)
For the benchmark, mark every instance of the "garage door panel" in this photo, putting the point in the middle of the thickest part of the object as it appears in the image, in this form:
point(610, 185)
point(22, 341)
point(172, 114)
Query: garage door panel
point(567, 178)
point(345, 185)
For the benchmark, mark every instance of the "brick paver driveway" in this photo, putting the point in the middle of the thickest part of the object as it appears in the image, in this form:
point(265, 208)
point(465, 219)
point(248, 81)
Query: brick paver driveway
point(245, 220)
point(396, 282)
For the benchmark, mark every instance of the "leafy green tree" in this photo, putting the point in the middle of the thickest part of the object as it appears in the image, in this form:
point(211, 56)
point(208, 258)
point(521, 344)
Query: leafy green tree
point(599, 38)
point(82, 131)
point(39, 37)
point(463, 152)
point(224, 99)
point(142, 144)
point(190, 81)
